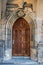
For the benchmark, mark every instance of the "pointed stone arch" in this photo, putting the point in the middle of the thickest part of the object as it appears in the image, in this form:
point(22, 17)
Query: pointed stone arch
point(31, 21)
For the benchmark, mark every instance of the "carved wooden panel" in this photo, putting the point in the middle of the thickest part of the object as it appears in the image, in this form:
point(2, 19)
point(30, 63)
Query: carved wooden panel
point(21, 38)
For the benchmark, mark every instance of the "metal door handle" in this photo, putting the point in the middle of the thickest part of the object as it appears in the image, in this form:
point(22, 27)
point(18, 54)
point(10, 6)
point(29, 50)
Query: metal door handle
point(13, 41)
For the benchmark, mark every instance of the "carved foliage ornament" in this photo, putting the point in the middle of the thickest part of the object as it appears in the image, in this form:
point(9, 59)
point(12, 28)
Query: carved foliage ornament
point(20, 12)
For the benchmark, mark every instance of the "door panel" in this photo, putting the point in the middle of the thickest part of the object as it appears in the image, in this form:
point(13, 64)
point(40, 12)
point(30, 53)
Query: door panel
point(21, 38)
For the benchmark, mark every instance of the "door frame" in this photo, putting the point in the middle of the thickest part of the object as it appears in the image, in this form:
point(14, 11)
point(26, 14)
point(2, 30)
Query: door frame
point(30, 18)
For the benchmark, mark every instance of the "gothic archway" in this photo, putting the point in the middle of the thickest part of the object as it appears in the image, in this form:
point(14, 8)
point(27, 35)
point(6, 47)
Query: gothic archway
point(21, 38)
point(30, 20)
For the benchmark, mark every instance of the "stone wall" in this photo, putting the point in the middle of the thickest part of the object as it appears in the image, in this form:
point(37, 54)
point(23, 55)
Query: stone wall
point(0, 9)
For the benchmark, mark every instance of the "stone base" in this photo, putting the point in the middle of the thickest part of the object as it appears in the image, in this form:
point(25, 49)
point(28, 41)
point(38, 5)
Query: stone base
point(40, 53)
point(8, 54)
point(34, 54)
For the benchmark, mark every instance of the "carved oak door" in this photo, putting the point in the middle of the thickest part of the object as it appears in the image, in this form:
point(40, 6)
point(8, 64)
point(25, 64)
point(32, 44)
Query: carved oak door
point(21, 38)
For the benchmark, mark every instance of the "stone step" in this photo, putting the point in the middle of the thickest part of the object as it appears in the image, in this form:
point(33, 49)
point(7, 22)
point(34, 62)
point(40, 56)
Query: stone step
point(20, 61)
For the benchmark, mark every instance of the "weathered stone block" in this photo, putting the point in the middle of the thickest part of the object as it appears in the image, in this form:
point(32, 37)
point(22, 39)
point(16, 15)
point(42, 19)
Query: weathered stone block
point(2, 42)
point(34, 53)
point(40, 53)
point(8, 54)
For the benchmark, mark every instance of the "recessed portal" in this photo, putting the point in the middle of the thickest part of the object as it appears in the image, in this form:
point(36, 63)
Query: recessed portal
point(21, 38)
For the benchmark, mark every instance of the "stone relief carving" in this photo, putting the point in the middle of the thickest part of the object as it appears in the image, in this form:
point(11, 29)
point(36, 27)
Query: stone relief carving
point(24, 7)
point(20, 13)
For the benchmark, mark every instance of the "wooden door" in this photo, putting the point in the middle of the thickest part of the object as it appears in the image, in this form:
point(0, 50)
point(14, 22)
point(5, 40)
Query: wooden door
point(21, 38)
